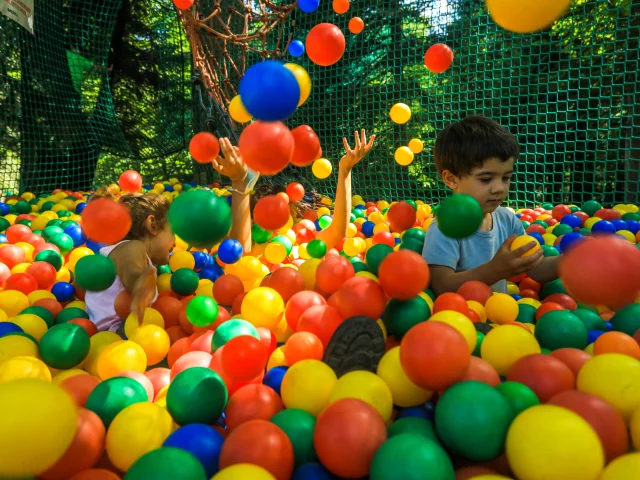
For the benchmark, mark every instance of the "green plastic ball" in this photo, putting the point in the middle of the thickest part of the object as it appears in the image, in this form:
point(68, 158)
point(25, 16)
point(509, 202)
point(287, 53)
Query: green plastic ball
point(411, 457)
point(163, 269)
point(298, 425)
point(359, 266)
point(200, 218)
point(284, 240)
point(166, 463)
point(47, 206)
point(316, 248)
point(519, 396)
point(561, 229)
point(413, 245)
point(68, 223)
point(414, 426)
point(52, 257)
point(113, 395)
point(63, 241)
point(184, 281)
point(231, 329)
point(63, 213)
point(70, 313)
point(259, 234)
point(324, 221)
point(549, 288)
point(202, 311)
point(24, 221)
point(479, 339)
point(459, 216)
point(196, 395)
point(540, 222)
point(631, 216)
point(590, 207)
point(547, 206)
point(64, 346)
point(4, 224)
point(472, 420)
point(95, 273)
point(414, 234)
point(41, 312)
point(54, 223)
point(412, 203)
point(526, 313)
point(51, 231)
point(561, 329)
point(549, 251)
point(375, 255)
point(627, 319)
point(591, 320)
point(400, 316)
point(23, 207)
point(357, 213)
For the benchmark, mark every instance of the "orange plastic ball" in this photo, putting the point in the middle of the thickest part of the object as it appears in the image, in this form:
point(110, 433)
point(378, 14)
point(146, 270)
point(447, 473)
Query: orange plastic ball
point(321, 320)
point(267, 147)
point(325, 44)
point(545, 375)
point(402, 216)
point(252, 402)
point(106, 221)
point(295, 191)
point(204, 146)
point(333, 272)
point(476, 291)
point(356, 25)
point(616, 342)
point(226, 288)
point(271, 212)
point(361, 296)
point(302, 346)
point(306, 147)
point(404, 274)
point(438, 58)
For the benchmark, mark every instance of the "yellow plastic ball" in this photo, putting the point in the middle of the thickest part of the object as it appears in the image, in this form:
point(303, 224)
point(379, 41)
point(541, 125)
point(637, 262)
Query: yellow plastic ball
point(403, 156)
point(154, 340)
point(40, 222)
point(97, 343)
point(275, 252)
point(624, 467)
point(615, 378)
point(24, 367)
point(151, 317)
point(416, 145)
point(283, 331)
point(77, 304)
point(405, 393)
point(12, 346)
point(400, 113)
point(523, 240)
point(79, 253)
point(304, 81)
point(64, 374)
point(549, 239)
point(461, 323)
point(478, 308)
point(20, 267)
point(136, 430)
point(427, 299)
point(565, 445)
point(243, 471)
point(277, 359)
point(11, 218)
point(351, 247)
point(501, 308)
point(63, 275)
point(13, 302)
point(120, 357)
point(512, 288)
point(322, 211)
point(237, 110)
point(43, 423)
point(530, 301)
point(262, 307)
point(307, 386)
point(526, 16)
point(321, 168)
point(181, 260)
point(31, 324)
point(365, 386)
point(504, 345)
point(205, 288)
point(627, 235)
point(308, 271)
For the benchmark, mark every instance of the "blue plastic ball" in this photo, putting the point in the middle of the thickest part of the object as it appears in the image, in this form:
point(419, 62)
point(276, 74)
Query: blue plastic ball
point(538, 237)
point(308, 6)
point(3, 238)
point(202, 260)
point(570, 240)
point(603, 226)
point(95, 246)
point(634, 227)
point(609, 326)
point(4, 209)
point(8, 327)
point(620, 225)
point(312, 471)
point(211, 272)
point(516, 297)
point(273, 378)
point(367, 228)
point(230, 251)
point(76, 234)
point(168, 188)
point(269, 91)
point(229, 200)
point(592, 335)
point(296, 48)
point(419, 412)
point(202, 441)
point(63, 291)
point(572, 220)
point(80, 207)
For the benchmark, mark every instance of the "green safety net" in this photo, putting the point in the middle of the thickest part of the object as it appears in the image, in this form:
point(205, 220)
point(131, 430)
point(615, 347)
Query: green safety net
point(571, 95)
point(99, 87)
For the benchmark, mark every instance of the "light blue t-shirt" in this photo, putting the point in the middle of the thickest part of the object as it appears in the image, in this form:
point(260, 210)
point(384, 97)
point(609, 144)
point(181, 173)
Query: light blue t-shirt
point(471, 252)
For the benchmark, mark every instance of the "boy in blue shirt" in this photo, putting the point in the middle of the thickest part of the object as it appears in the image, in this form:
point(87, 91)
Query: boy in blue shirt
point(476, 156)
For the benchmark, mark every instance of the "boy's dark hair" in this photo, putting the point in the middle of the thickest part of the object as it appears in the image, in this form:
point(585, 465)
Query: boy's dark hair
point(467, 144)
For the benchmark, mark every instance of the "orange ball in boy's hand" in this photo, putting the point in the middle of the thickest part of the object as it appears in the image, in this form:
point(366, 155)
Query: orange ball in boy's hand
point(106, 221)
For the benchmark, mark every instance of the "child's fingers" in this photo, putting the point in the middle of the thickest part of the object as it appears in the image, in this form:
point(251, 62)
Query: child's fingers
point(357, 140)
point(518, 252)
point(216, 166)
point(371, 140)
point(346, 145)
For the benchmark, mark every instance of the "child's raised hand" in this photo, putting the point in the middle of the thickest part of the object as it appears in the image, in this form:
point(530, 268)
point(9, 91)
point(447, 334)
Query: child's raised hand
point(362, 147)
point(143, 293)
point(231, 165)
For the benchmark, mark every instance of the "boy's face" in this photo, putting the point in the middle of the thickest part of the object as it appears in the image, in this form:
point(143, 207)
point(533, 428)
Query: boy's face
point(488, 184)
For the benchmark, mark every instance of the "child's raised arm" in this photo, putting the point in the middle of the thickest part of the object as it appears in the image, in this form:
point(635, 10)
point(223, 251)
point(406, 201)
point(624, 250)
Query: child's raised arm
point(342, 209)
point(233, 166)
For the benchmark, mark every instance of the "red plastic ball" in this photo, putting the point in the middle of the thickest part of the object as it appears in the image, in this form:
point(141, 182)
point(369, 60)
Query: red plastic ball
point(227, 288)
point(302, 346)
point(189, 359)
point(545, 375)
point(122, 305)
point(361, 296)
point(451, 301)
point(384, 238)
point(267, 147)
point(286, 281)
point(573, 358)
point(347, 435)
point(45, 246)
point(16, 233)
point(603, 418)
point(530, 284)
point(401, 216)
point(299, 303)
point(106, 221)
point(5, 273)
point(183, 4)
point(260, 443)
point(322, 321)
point(268, 339)
point(244, 357)
point(159, 378)
point(403, 274)
point(476, 291)
point(356, 25)
point(548, 307)
point(22, 282)
point(33, 239)
point(560, 211)
point(304, 236)
point(563, 300)
point(306, 146)
point(434, 355)
point(481, 371)
point(200, 341)
point(44, 273)
point(332, 273)
point(12, 255)
point(204, 147)
point(438, 58)
point(271, 212)
point(130, 181)
point(50, 304)
point(169, 307)
point(588, 279)
point(325, 44)
point(251, 402)
point(295, 191)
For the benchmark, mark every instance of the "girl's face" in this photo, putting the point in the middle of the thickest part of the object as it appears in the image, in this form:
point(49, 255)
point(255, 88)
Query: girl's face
point(161, 245)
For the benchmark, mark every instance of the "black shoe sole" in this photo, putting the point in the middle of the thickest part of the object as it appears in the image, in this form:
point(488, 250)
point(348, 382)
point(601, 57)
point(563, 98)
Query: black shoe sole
point(357, 344)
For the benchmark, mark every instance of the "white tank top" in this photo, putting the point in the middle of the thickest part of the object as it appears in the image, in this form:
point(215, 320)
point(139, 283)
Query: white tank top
point(100, 304)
